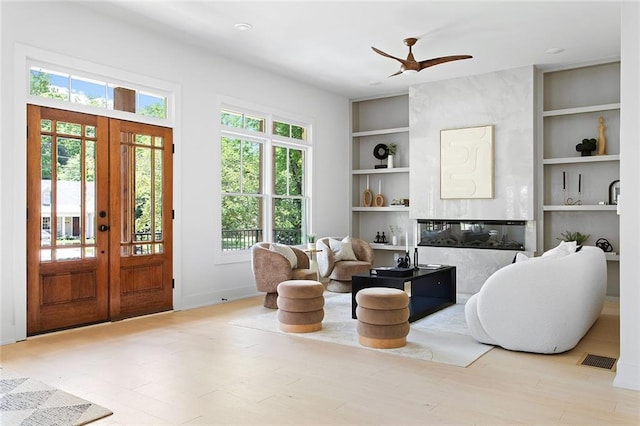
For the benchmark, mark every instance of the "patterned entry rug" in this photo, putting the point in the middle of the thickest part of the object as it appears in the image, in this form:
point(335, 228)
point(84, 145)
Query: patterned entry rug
point(25, 401)
point(440, 337)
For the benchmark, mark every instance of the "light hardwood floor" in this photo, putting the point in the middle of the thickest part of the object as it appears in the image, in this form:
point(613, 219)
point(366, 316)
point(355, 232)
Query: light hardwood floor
point(194, 368)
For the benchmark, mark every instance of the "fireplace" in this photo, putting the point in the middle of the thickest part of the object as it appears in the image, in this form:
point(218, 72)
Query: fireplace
point(477, 234)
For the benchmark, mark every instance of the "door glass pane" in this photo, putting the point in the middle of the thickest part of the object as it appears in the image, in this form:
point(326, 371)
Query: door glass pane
point(142, 194)
point(142, 191)
point(90, 190)
point(68, 192)
point(158, 197)
point(125, 188)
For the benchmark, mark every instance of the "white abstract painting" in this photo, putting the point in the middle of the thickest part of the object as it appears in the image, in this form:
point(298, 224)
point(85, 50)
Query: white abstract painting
point(466, 163)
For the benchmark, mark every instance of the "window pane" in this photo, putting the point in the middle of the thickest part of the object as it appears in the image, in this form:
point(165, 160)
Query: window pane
point(251, 167)
point(88, 92)
point(281, 129)
point(48, 84)
point(254, 123)
point(298, 132)
point(296, 172)
point(232, 119)
point(241, 219)
point(231, 162)
point(287, 221)
point(280, 170)
point(151, 106)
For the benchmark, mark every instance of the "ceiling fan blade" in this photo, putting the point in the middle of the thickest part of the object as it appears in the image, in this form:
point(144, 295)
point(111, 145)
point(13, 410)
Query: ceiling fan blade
point(437, 61)
point(380, 52)
point(396, 73)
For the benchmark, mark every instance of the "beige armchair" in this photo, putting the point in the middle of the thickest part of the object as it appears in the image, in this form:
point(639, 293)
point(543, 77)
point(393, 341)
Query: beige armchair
point(270, 268)
point(339, 271)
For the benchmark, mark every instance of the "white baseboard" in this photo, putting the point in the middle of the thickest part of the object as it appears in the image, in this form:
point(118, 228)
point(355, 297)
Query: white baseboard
point(217, 297)
point(627, 376)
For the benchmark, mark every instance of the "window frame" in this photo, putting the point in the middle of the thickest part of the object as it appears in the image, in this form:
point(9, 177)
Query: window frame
point(269, 141)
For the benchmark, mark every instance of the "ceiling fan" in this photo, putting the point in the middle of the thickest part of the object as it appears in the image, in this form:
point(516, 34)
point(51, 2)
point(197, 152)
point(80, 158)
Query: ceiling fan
point(410, 65)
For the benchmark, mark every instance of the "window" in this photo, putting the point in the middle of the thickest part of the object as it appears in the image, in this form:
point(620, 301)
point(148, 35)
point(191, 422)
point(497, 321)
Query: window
point(264, 179)
point(53, 84)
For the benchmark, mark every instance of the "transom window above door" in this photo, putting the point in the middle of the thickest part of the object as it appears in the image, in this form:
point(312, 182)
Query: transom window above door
point(101, 93)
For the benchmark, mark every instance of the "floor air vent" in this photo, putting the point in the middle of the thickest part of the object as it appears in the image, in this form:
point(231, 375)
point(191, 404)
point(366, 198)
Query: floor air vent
point(598, 361)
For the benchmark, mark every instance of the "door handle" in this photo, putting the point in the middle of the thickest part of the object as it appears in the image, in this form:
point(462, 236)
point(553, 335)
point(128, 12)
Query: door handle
point(103, 228)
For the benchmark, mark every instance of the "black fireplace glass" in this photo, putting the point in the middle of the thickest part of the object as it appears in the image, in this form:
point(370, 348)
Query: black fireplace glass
point(480, 234)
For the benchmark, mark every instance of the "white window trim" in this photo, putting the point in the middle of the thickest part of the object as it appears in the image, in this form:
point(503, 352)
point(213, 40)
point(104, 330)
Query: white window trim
point(269, 140)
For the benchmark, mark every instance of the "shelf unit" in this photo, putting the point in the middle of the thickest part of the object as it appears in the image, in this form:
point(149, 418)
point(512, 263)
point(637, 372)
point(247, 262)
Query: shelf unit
point(375, 121)
point(573, 99)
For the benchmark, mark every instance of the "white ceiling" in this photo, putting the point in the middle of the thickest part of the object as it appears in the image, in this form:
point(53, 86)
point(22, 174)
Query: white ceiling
point(328, 44)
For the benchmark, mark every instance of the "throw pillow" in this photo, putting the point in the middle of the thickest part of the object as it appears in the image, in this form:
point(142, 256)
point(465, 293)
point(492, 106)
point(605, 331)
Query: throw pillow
point(342, 250)
point(287, 252)
point(562, 249)
point(520, 257)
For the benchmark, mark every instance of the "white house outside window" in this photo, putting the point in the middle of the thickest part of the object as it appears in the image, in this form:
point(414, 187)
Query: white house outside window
point(264, 179)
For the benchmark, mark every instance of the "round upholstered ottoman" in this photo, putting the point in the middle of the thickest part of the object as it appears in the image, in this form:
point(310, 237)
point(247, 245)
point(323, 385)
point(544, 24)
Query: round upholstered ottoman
point(300, 306)
point(383, 317)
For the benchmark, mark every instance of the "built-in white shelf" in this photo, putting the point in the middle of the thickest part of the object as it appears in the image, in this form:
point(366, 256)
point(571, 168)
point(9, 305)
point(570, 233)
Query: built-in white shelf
point(378, 246)
point(380, 171)
point(587, 159)
point(380, 132)
point(381, 209)
point(613, 257)
point(589, 208)
point(581, 110)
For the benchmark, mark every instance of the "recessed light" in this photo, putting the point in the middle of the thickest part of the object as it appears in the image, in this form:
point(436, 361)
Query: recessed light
point(554, 50)
point(242, 26)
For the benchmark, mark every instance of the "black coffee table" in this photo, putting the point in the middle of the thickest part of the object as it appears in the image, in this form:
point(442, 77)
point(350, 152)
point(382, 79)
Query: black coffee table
point(432, 289)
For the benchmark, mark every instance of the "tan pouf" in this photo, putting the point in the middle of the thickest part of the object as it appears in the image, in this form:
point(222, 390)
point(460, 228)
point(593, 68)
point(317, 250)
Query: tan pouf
point(383, 317)
point(300, 306)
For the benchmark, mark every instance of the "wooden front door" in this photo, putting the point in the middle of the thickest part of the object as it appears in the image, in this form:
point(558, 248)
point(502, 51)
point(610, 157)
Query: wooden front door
point(99, 223)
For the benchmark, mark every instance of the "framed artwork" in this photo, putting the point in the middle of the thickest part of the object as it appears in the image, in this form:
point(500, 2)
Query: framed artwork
point(466, 163)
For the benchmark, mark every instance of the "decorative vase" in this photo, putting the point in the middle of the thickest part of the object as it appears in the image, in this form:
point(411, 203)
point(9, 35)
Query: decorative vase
point(311, 246)
point(390, 161)
point(394, 240)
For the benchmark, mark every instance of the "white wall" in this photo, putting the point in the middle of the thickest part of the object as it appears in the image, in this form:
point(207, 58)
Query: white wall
point(202, 79)
point(504, 99)
point(628, 366)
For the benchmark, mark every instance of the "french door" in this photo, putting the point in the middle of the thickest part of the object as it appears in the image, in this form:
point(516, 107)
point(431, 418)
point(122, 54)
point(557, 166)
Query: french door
point(99, 219)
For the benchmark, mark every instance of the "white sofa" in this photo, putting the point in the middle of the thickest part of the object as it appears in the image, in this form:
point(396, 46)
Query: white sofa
point(541, 305)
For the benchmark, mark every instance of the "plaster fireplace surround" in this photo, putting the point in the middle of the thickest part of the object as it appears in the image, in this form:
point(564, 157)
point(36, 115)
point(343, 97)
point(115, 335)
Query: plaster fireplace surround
point(505, 100)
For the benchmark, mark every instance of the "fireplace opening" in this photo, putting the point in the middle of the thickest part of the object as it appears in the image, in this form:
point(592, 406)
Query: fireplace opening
point(479, 234)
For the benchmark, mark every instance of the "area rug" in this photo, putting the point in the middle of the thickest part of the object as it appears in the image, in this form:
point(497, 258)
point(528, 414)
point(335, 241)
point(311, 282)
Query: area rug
point(440, 337)
point(25, 401)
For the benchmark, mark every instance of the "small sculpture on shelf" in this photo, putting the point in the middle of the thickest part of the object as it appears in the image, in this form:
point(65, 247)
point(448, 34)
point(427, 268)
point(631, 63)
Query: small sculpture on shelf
point(377, 239)
point(602, 141)
point(604, 245)
point(586, 147)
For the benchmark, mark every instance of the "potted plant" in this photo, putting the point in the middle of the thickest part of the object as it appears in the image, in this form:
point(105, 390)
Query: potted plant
point(311, 241)
point(576, 236)
point(392, 148)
